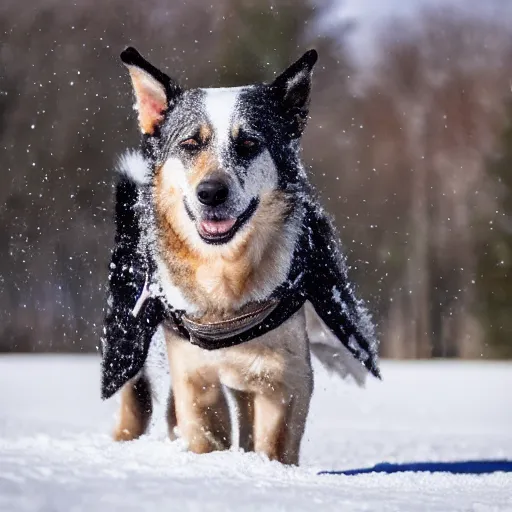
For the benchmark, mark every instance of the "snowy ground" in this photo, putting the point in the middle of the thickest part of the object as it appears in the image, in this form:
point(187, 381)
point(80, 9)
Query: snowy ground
point(56, 455)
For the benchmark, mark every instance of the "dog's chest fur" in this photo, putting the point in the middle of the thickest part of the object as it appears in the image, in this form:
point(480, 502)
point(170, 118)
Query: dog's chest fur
point(216, 282)
point(280, 357)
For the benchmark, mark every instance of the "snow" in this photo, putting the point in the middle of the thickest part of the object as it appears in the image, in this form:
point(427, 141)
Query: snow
point(56, 455)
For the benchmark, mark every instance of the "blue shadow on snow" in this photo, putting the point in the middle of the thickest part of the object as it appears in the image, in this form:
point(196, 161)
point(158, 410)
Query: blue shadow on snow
point(467, 467)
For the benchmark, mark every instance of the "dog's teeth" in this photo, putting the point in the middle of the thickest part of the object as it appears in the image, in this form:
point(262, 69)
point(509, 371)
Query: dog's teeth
point(217, 227)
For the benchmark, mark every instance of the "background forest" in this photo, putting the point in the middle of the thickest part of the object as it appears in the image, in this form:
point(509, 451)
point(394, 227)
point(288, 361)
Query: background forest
point(410, 148)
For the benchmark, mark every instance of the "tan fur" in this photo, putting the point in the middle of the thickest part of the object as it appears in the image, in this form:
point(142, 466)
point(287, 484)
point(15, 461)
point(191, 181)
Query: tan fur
point(205, 132)
point(219, 283)
point(272, 382)
point(202, 413)
point(270, 429)
point(151, 100)
point(135, 410)
point(205, 164)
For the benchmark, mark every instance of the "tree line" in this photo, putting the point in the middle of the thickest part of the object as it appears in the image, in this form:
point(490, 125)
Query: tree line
point(410, 151)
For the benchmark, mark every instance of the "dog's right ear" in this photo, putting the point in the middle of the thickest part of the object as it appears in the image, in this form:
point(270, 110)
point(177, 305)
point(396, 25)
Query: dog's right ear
point(293, 89)
point(154, 91)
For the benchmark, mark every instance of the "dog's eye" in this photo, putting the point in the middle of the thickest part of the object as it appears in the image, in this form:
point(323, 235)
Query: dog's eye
point(190, 144)
point(248, 147)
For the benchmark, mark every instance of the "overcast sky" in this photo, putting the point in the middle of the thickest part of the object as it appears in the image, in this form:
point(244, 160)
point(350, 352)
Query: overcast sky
point(378, 9)
point(374, 9)
point(370, 14)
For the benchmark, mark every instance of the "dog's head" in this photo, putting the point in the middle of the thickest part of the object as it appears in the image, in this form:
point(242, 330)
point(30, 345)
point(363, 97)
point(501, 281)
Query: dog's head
point(216, 154)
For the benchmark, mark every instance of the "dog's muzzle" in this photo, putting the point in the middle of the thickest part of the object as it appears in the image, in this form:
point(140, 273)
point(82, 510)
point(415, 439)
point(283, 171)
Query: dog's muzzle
point(215, 228)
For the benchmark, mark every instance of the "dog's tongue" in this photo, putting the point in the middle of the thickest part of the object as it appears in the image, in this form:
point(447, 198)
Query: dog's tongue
point(217, 227)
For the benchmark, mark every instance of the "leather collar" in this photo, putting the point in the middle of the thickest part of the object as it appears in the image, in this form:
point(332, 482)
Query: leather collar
point(208, 334)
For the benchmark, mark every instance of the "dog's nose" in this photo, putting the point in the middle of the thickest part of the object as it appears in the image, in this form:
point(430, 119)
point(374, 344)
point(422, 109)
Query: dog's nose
point(212, 192)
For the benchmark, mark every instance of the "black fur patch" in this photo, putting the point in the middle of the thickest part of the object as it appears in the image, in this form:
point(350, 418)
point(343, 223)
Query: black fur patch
point(125, 341)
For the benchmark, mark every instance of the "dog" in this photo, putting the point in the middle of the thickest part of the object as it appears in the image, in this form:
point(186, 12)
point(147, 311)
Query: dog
point(221, 242)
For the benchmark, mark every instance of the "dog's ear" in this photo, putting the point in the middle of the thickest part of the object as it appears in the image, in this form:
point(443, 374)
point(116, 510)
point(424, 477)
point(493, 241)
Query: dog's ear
point(154, 91)
point(293, 87)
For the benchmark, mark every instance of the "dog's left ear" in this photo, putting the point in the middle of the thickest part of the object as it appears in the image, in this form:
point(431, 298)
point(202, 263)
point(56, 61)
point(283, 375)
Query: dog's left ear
point(293, 87)
point(154, 90)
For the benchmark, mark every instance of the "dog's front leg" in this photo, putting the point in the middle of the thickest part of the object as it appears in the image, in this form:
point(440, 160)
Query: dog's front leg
point(296, 420)
point(135, 411)
point(198, 406)
point(202, 412)
point(280, 420)
point(270, 430)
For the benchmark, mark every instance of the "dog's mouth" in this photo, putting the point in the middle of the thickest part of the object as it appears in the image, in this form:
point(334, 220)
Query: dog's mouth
point(215, 228)
point(220, 230)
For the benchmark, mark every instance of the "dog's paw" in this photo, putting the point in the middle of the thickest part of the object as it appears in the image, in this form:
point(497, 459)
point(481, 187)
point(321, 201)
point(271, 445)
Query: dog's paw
point(124, 434)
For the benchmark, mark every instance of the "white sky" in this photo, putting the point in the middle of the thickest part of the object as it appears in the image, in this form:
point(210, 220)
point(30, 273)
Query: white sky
point(369, 9)
point(370, 14)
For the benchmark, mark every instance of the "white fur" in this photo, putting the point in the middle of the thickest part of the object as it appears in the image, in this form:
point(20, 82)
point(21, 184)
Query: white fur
point(172, 293)
point(175, 176)
point(133, 165)
point(220, 105)
point(261, 175)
